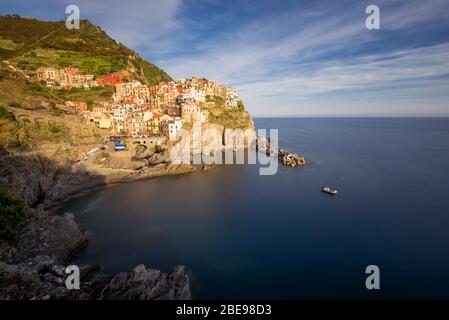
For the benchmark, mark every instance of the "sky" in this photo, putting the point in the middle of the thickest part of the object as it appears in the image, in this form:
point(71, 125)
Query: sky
point(287, 58)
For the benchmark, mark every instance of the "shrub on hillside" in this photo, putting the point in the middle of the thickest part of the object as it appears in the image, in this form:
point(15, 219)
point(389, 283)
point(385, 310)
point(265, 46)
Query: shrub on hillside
point(14, 104)
point(12, 213)
point(56, 112)
point(54, 130)
point(5, 114)
point(240, 106)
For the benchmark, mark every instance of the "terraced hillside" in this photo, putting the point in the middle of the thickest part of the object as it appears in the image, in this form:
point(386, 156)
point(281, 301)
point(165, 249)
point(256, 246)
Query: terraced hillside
point(30, 43)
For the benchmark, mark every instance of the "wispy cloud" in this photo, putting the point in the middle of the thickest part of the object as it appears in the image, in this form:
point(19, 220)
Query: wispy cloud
point(296, 57)
point(368, 71)
point(293, 57)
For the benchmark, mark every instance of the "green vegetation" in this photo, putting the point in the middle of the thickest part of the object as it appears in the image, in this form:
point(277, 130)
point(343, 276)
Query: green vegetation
point(232, 119)
point(18, 92)
point(6, 115)
point(217, 100)
point(90, 96)
point(45, 132)
point(240, 106)
point(25, 132)
point(86, 63)
point(236, 118)
point(8, 44)
point(8, 125)
point(152, 74)
point(39, 89)
point(57, 112)
point(12, 214)
point(54, 130)
point(22, 93)
point(31, 43)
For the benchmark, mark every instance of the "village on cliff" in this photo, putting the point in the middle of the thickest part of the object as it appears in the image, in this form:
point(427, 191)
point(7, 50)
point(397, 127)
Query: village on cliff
point(139, 110)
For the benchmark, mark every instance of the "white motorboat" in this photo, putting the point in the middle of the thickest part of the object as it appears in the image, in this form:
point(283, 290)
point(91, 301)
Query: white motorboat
point(329, 190)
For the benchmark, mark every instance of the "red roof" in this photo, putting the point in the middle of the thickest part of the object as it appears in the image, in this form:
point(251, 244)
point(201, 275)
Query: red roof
point(110, 79)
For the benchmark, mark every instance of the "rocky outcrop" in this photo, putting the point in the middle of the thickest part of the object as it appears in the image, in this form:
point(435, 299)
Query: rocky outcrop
point(148, 284)
point(44, 234)
point(41, 178)
point(290, 159)
point(42, 280)
point(35, 268)
point(156, 158)
point(55, 236)
point(285, 157)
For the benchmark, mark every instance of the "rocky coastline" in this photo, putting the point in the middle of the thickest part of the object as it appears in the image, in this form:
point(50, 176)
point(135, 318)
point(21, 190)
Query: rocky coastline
point(34, 267)
point(285, 157)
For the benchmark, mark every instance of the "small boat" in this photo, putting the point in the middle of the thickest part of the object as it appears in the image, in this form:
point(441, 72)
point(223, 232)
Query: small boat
point(329, 190)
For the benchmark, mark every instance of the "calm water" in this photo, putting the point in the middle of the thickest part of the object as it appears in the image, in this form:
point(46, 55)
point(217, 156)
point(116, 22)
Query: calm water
point(241, 235)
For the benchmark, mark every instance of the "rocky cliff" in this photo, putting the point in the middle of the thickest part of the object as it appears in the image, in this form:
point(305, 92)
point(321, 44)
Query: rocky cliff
point(213, 137)
point(45, 169)
point(33, 267)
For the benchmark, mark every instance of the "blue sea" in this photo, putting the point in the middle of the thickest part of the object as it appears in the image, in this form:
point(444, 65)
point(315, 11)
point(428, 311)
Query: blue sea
point(243, 235)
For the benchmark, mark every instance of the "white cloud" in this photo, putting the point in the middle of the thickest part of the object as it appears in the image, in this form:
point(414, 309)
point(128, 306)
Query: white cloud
point(285, 60)
point(410, 71)
point(369, 71)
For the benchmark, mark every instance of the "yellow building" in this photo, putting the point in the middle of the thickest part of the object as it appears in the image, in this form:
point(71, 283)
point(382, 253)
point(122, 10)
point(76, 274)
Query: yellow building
point(46, 74)
point(155, 123)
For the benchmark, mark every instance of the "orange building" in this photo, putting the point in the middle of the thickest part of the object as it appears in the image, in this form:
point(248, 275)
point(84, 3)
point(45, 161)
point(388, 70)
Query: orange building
point(110, 79)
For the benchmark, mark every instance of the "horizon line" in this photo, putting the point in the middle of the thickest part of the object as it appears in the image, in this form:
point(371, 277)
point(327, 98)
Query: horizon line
point(351, 116)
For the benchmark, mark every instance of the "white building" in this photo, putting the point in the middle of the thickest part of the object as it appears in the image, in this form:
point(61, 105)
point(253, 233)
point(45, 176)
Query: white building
point(147, 115)
point(174, 127)
point(231, 103)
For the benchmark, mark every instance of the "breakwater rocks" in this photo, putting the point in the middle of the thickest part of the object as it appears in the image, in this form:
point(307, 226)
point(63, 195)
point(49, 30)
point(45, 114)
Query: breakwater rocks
point(291, 159)
point(285, 157)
